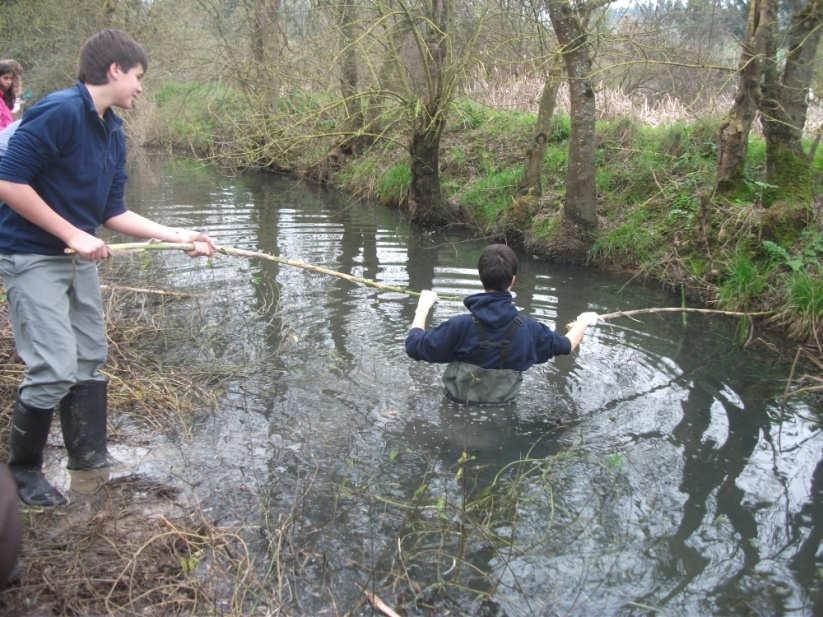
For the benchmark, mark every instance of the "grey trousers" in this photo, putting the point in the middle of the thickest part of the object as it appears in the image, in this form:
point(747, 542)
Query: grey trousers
point(57, 317)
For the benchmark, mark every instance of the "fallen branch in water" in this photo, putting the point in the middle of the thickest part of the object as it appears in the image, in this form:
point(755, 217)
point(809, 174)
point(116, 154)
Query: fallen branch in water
point(379, 604)
point(678, 309)
point(149, 291)
point(673, 309)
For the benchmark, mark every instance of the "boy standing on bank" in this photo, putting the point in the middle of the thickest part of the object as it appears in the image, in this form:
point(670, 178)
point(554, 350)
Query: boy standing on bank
point(62, 176)
point(488, 349)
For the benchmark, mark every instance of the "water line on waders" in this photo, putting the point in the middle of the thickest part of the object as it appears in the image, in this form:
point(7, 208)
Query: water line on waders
point(154, 245)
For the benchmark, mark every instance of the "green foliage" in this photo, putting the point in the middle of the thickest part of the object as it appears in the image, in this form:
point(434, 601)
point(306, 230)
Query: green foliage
point(674, 140)
point(682, 209)
point(469, 115)
point(544, 227)
point(195, 114)
point(394, 184)
point(360, 175)
point(744, 280)
point(507, 124)
point(615, 462)
point(489, 195)
point(805, 297)
point(637, 240)
point(555, 160)
point(703, 136)
point(779, 255)
point(631, 161)
point(561, 128)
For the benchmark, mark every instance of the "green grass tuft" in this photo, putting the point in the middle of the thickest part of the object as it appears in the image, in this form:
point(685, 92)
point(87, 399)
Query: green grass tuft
point(489, 195)
point(393, 187)
point(745, 280)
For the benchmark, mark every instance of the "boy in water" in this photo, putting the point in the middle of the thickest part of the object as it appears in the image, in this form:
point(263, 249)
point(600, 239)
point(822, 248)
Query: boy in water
point(488, 349)
point(62, 176)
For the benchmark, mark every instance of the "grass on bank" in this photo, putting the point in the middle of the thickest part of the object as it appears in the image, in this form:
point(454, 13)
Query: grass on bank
point(654, 185)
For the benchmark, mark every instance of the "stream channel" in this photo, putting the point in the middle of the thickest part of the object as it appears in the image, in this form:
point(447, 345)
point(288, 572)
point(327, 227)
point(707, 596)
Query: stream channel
point(657, 471)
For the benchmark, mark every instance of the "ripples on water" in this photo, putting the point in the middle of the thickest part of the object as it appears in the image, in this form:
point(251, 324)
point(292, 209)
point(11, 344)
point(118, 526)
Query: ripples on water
point(670, 476)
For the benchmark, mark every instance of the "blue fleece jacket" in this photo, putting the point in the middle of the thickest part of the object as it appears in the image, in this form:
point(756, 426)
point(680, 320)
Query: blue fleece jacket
point(458, 337)
point(74, 159)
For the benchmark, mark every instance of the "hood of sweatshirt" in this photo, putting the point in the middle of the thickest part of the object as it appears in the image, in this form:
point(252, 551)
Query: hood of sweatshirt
point(494, 308)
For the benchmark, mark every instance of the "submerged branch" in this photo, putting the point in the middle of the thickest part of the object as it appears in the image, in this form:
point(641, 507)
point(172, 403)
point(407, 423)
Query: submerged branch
point(680, 309)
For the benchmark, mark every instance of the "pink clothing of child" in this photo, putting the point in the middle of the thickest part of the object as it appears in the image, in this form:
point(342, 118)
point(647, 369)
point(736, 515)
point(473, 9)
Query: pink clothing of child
point(5, 114)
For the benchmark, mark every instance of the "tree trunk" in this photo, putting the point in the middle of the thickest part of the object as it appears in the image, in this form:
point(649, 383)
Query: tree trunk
point(425, 197)
point(346, 15)
point(532, 174)
point(265, 45)
point(785, 102)
point(580, 205)
point(426, 204)
point(733, 137)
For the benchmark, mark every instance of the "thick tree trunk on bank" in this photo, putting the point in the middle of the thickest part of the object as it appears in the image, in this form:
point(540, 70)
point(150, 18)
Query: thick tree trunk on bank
point(580, 205)
point(426, 205)
point(785, 104)
point(733, 137)
point(532, 174)
point(425, 202)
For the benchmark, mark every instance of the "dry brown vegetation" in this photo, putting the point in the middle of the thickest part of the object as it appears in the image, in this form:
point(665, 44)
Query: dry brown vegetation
point(132, 546)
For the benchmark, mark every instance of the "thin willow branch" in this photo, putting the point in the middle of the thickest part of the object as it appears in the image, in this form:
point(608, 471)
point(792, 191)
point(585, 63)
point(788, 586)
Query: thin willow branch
point(150, 291)
point(678, 309)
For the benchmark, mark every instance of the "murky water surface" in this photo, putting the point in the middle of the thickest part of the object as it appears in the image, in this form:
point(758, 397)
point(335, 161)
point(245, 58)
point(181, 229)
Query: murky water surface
point(655, 472)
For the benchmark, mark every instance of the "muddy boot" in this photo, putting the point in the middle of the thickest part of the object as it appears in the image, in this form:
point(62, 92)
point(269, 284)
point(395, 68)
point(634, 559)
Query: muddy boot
point(29, 430)
point(83, 419)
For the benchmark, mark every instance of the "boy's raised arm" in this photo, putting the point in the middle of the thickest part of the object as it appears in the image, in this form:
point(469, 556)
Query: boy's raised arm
point(424, 305)
point(579, 325)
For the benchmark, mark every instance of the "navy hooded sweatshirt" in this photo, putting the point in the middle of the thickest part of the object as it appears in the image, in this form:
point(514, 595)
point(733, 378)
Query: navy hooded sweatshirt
point(458, 338)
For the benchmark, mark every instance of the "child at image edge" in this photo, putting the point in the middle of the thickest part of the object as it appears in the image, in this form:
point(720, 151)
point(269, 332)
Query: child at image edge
point(488, 348)
point(10, 76)
point(62, 176)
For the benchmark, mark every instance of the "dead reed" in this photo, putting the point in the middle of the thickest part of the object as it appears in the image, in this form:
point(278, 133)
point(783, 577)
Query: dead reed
point(133, 546)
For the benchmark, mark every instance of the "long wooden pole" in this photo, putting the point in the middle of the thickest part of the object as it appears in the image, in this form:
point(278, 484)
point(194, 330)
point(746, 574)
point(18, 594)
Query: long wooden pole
point(679, 309)
point(128, 247)
point(229, 250)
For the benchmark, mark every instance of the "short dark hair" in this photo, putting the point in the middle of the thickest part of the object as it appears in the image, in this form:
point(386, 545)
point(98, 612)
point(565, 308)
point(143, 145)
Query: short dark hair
point(105, 48)
point(497, 266)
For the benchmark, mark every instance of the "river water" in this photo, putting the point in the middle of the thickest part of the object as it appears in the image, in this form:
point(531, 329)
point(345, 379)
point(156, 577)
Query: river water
point(657, 471)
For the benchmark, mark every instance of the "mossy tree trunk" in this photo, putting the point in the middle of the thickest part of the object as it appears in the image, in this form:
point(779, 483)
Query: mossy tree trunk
point(580, 206)
point(426, 204)
point(785, 103)
point(733, 137)
point(532, 184)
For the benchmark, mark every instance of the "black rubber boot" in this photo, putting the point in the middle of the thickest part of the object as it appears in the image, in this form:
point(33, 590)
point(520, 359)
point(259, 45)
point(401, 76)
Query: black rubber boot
point(83, 419)
point(29, 430)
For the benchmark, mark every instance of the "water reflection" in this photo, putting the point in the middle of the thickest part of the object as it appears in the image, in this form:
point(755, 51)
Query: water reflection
point(668, 476)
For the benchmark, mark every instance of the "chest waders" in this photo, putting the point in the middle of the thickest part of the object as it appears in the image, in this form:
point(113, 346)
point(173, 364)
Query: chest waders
point(469, 383)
